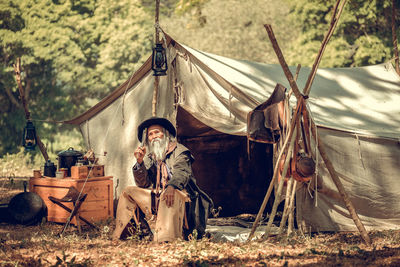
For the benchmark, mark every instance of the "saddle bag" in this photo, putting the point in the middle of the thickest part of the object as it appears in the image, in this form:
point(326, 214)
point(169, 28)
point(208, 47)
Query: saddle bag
point(266, 122)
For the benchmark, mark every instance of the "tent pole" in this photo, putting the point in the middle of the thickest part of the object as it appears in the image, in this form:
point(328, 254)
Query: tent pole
point(349, 205)
point(17, 70)
point(156, 78)
point(335, 18)
point(394, 38)
point(282, 61)
point(340, 187)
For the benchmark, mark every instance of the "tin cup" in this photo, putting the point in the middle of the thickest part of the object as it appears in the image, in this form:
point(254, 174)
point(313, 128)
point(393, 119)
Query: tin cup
point(65, 171)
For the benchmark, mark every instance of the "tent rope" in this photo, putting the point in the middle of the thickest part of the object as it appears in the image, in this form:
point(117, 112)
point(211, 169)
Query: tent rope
point(230, 102)
point(123, 99)
point(311, 116)
point(92, 164)
point(51, 121)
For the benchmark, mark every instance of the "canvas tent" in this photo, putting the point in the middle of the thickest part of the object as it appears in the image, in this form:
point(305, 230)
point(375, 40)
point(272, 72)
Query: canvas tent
point(208, 98)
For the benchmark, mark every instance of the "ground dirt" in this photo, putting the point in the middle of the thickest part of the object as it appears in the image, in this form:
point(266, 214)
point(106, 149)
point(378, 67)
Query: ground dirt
point(41, 245)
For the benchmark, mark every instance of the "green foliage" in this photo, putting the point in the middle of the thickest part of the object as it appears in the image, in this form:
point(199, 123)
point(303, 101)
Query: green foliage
point(193, 6)
point(186, 5)
point(18, 164)
point(234, 28)
point(363, 35)
point(71, 52)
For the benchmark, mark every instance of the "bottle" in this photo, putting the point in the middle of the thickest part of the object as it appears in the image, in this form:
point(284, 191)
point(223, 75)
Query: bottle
point(50, 169)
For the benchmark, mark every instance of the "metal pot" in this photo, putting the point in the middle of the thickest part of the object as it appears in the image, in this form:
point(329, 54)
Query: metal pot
point(26, 208)
point(68, 158)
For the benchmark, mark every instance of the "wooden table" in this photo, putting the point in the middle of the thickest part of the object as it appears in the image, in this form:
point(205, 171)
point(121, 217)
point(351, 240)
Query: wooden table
point(97, 206)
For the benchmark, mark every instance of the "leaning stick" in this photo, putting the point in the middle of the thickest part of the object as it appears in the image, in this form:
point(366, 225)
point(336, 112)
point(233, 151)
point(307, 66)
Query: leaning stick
point(340, 187)
point(280, 186)
point(335, 18)
point(291, 208)
point(282, 61)
point(286, 207)
point(349, 205)
point(295, 78)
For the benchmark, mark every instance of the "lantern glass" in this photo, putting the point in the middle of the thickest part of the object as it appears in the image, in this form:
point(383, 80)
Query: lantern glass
point(159, 61)
point(29, 138)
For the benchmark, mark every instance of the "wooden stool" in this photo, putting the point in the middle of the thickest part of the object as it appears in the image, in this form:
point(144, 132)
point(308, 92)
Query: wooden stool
point(72, 196)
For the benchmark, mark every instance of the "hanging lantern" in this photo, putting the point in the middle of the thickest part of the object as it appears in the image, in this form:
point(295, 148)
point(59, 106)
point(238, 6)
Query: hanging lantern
point(159, 61)
point(29, 138)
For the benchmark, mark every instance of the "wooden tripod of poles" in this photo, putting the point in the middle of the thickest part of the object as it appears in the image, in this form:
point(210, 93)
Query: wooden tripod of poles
point(291, 135)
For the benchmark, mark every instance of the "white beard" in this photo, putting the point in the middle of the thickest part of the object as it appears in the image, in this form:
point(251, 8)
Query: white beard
point(158, 148)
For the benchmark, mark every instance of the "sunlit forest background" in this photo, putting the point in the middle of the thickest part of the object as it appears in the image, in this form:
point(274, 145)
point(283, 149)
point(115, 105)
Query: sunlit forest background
point(75, 52)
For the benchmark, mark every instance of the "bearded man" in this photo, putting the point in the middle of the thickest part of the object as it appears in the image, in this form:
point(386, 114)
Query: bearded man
point(166, 202)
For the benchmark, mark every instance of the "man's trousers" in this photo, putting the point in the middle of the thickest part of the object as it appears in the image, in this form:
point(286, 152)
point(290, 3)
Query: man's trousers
point(167, 225)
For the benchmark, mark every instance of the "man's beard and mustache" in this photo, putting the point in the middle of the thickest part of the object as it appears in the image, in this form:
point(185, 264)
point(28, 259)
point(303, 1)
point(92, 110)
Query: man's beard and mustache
point(158, 148)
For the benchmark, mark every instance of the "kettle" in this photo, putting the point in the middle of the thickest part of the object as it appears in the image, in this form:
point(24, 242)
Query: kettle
point(50, 169)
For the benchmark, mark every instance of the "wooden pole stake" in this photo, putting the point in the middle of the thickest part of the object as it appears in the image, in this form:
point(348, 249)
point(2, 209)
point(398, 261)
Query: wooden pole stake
point(340, 187)
point(282, 61)
point(17, 70)
point(335, 18)
point(291, 208)
point(286, 209)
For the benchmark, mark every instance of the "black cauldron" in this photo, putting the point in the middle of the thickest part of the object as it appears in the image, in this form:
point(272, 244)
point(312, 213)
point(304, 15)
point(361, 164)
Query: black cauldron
point(26, 208)
point(68, 158)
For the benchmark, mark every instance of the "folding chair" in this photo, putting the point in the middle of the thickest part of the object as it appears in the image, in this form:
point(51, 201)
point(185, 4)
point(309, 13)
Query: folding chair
point(72, 196)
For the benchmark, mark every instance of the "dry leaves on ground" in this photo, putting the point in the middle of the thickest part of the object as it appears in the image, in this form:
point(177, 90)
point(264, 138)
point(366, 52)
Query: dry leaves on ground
point(40, 246)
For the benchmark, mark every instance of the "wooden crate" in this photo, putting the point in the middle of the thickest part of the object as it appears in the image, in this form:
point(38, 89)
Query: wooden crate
point(96, 171)
point(79, 172)
point(97, 206)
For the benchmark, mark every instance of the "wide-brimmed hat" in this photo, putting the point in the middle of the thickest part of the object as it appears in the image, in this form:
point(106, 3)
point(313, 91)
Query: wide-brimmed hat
point(156, 121)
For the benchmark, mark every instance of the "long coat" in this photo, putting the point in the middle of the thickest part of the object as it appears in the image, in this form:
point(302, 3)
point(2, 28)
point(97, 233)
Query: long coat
point(179, 163)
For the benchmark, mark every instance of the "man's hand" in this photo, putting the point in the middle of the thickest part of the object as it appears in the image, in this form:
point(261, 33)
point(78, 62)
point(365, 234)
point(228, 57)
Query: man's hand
point(139, 154)
point(169, 195)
